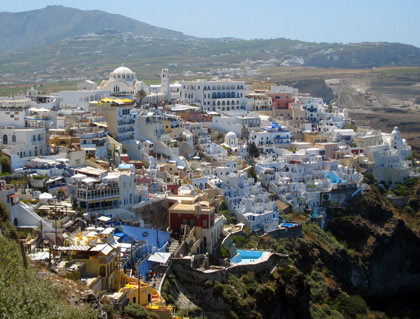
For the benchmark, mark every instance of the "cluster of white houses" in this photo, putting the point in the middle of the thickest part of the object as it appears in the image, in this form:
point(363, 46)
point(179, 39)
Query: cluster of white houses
point(309, 155)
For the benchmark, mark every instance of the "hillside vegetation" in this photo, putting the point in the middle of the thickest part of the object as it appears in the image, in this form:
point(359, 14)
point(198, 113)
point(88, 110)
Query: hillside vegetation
point(58, 43)
point(24, 30)
point(23, 294)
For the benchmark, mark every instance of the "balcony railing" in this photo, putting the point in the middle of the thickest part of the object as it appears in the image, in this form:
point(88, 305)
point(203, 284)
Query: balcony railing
point(98, 193)
point(125, 122)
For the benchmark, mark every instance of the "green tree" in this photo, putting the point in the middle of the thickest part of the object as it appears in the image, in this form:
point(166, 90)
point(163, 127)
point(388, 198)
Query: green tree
point(253, 150)
point(135, 311)
point(5, 163)
point(252, 173)
point(140, 95)
point(368, 178)
point(224, 252)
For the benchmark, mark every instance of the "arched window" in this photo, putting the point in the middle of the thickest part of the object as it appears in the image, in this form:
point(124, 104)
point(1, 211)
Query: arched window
point(13, 138)
point(218, 95)
point(223, 95)
point(4, 139)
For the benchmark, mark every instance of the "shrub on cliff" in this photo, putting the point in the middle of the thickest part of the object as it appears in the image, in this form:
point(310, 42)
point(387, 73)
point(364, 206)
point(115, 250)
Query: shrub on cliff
point(135, 311)
point(350, 306)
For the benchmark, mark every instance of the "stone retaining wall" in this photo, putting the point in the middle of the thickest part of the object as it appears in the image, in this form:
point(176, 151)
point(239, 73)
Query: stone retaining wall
point(290, 232)
point(182, 267)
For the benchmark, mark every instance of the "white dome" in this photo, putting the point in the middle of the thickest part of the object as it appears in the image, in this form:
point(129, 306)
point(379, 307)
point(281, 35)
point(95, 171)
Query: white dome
point(230, 135)
point(122, 70)
point(396, 131)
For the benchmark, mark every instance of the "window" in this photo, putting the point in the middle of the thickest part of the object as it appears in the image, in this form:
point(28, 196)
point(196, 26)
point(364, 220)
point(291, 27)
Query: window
point(4, 139)
point(205, 223)
point(13, 138)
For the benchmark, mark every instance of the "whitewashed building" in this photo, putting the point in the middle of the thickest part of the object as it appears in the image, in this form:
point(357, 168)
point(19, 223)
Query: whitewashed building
point(216, 96)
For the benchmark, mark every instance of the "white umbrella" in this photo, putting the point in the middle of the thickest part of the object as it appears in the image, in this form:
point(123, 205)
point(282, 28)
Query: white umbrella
point(78, 176)
point(89, 180)
point(44, 196)
point(92, 234)
point(110, 177)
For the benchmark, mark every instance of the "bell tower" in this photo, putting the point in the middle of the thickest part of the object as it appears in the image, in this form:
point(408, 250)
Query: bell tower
point(164, 83)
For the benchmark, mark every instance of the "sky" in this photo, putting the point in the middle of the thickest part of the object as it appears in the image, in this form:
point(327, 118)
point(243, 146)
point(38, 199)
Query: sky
point(341, 21)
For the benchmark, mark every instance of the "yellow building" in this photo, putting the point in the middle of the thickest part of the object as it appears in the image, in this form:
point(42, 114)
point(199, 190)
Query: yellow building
point(63, 140)
point(167, 126)
point(261, 86)
point(314, 137)
point(100, 256)
point(141, 293)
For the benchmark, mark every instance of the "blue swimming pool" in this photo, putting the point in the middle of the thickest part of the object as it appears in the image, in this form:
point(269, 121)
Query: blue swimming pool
point(288, 225)
point(246, 256)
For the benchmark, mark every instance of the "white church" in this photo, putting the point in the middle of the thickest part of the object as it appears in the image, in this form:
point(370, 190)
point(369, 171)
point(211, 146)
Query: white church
point(123, 81)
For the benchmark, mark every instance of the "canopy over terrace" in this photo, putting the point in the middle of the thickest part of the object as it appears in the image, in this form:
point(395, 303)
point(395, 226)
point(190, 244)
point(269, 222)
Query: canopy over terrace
point(104, 219)
point(158, 257)
point(78, 176)
point(89, 180)
point(45, 196)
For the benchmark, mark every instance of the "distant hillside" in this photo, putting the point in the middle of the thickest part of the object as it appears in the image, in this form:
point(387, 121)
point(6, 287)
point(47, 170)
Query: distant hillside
point(367, 55)
point(45, 26)
point(64, 44)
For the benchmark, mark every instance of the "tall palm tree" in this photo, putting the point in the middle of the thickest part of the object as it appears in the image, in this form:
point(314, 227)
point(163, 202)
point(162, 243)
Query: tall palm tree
point(140, 95)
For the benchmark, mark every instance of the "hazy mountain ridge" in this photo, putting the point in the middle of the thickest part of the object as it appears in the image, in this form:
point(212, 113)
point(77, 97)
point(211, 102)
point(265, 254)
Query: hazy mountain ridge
point(367, 55)
point(30, 29)
point(58, 43)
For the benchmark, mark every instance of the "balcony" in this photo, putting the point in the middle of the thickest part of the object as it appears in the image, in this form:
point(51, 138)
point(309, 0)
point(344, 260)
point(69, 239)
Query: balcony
point(96, 193)
point(126, 122)
point(125, 129)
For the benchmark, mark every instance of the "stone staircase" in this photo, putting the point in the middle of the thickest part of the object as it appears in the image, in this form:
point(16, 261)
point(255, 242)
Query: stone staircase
point(173, 246)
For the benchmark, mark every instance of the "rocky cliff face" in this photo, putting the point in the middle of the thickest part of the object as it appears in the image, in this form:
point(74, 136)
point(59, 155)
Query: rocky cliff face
point(316, 87)
point(280, 294)
point(367, 250)
point(386, 265)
